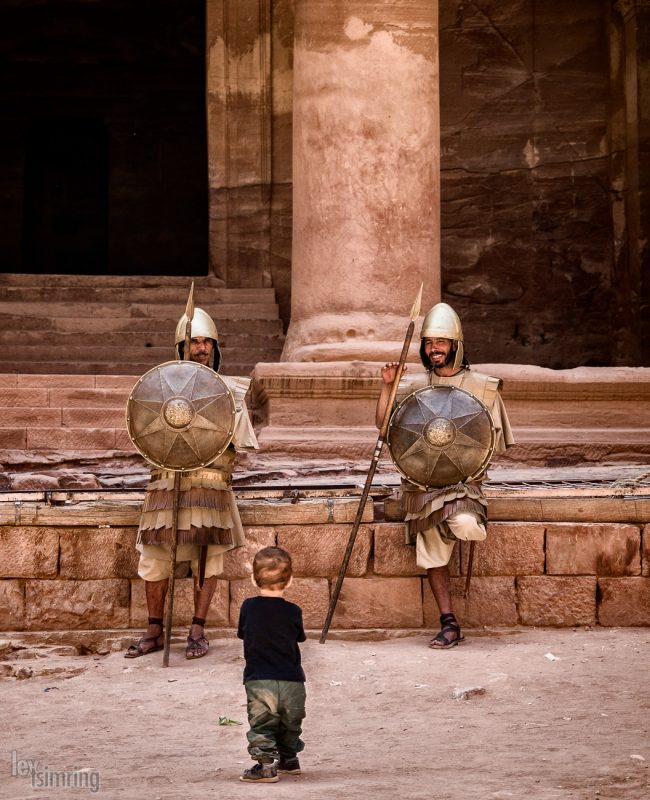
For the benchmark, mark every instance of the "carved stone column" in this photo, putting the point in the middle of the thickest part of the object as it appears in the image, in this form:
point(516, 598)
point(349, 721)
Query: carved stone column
point(632, 254)
point(365, 176)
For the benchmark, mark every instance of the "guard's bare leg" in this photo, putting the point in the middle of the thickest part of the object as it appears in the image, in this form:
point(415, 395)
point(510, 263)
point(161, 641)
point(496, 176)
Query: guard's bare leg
point(202, 599)
point(439, 582)
point(155, 592)
point(450, 634)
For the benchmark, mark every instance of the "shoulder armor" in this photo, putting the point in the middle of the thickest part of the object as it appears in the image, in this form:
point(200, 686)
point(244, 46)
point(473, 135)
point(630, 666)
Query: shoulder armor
point(238, 386)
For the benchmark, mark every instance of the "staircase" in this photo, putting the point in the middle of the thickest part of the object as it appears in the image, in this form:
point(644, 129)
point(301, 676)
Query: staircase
point(124, 325)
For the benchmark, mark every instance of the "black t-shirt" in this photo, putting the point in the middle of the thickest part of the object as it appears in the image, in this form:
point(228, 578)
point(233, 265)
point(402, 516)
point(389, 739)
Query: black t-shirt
point(271, 628)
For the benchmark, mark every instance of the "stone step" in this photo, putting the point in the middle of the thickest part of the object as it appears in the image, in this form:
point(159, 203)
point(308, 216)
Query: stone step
point(128, 295)
point(153, 338)
point(12, 325)
point(242, 311)
point(127, 353)
point(152, 281)
point(108, 367)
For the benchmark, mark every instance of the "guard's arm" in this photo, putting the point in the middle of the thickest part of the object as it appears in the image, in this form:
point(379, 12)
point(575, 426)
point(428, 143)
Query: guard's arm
point(388, 373)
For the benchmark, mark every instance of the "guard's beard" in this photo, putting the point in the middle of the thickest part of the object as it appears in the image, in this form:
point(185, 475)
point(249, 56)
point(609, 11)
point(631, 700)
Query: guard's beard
point(451, 355)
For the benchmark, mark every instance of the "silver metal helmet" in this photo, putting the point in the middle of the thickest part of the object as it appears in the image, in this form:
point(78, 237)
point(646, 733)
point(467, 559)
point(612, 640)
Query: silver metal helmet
point(202, 325)
point(444, 323)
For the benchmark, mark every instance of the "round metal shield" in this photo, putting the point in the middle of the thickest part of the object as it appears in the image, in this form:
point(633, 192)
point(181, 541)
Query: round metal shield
point(180, 415)
point(441, 435)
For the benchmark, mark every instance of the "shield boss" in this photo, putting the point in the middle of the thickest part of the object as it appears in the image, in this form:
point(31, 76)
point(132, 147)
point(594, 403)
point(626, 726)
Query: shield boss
point(180, 415)
point(441, 435)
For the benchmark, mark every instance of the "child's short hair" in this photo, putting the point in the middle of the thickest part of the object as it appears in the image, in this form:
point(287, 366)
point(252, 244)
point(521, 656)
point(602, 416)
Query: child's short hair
point(272, 568)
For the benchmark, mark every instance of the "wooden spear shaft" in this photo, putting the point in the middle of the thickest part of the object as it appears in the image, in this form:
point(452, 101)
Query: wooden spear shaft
point(189, 313)
point(415, 311)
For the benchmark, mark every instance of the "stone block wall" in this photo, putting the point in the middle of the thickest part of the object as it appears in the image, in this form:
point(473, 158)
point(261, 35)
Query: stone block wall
point(80, 575)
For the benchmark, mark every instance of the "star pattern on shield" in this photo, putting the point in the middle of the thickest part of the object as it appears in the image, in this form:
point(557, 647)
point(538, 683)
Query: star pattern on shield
point(423, 462)
point(211, 426)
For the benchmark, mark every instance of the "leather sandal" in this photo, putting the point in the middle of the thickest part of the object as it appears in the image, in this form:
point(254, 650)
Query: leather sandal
point(196, 648)
point(140, 649)
point(443, 641)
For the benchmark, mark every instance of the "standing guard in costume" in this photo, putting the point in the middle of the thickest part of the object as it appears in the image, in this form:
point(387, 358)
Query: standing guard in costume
point(450, 434)
point(207, 520)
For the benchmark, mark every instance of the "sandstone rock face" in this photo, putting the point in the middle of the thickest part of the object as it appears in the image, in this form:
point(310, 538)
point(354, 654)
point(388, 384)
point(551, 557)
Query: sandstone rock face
point(624, 602)
point(492, 601)
point(557, 601)
point(526, 180)
point(50, 605)
point(12, 605)
point(592, 549)
point(325, 558)
point(28, 551)
point(379, 603)
point(88, 554)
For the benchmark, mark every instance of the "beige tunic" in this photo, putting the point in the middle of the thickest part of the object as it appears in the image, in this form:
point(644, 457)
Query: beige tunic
point(207, 511)
point(427, 508)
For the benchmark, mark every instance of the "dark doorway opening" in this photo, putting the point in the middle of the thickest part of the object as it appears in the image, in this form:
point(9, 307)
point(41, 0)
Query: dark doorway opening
point(103, 137)
point(66, 197)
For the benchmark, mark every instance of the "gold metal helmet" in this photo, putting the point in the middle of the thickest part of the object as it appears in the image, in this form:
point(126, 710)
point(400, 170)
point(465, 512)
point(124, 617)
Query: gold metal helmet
point(202, 325)
point(442, 322)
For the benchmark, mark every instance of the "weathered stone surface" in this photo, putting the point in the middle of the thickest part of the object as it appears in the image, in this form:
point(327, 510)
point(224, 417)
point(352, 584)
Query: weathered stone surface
point(392, 555)
point(88, 553)
point(53, 605)
point(183, 604)
point(379, 603)
point(318, 550)
point(311, 594)
point(28, 552)
point(12, 605)
point(510, 549)
point(71, 438)
point(624, 601)
point(516, 152)
point(78, 480)
point(556, 601)
point(238, 563)
point(645, 551)
point(492, 601)
point(343, 217)
point(27, 481)
point(593, 549)
point(306, 511)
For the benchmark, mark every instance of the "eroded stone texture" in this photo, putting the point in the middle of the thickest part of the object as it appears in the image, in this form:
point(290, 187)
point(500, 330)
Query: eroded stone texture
point(392, 555)
point(238, 563)
point(379, 603)
point(624, 601)
point(56, 605)
point(556, 601)
point(183, 604)
point(492, 601)
point(311, 594)
point(28, 552)
point(88, 554)
point(365, 176)
point(593, 549)
point(510, 549)
point(525, 183)
point(318, 551)
point(645, 551)
point(12, 605)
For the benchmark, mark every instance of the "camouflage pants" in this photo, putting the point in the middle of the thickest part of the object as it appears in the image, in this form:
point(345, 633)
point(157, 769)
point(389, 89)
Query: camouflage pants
point(276, 710)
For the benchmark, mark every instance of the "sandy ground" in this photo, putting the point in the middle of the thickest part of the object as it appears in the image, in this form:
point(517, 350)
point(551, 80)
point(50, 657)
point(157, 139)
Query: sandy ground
point(564, 714)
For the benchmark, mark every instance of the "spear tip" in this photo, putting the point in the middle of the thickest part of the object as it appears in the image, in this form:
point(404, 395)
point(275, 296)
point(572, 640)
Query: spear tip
point(189, 308)
point(415, 311)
